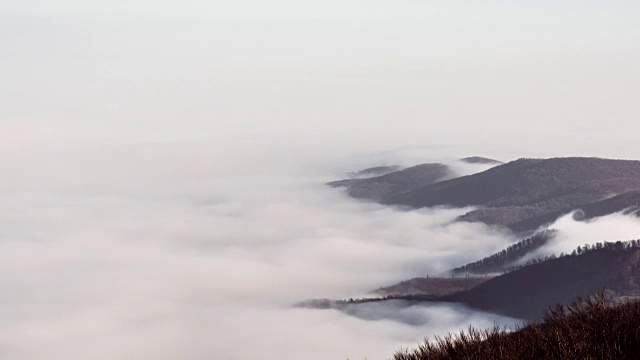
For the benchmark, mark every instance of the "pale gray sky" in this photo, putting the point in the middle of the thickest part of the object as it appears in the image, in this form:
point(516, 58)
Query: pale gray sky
point(342, 76)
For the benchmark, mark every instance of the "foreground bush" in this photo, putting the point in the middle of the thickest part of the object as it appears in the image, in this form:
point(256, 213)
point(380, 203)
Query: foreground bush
point(590, 329)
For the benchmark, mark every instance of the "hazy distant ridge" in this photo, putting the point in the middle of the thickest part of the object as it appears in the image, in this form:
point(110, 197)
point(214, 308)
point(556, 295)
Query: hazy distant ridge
point(526, 193)
point(381, 187)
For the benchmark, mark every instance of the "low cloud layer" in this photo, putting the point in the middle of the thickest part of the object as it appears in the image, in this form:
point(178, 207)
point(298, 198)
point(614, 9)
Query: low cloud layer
point(153, 252)
point(138, 254)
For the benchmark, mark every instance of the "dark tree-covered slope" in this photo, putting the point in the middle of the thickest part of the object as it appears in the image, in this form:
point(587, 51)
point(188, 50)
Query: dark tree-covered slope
point(505, 259)
point(526, 292)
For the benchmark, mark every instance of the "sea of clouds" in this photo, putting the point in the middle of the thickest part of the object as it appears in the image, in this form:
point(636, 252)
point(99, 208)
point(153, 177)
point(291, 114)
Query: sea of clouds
point(150, 252)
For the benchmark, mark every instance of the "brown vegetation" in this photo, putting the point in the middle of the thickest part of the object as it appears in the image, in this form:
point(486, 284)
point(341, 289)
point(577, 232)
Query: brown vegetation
point(592, 329)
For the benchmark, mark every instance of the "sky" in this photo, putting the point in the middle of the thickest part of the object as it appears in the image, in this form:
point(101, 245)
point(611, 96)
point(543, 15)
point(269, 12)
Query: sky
point(163, 162)
point(367, 76)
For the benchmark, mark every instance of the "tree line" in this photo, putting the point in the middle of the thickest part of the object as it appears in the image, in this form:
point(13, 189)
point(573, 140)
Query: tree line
point(500, 261)
point(616, 246)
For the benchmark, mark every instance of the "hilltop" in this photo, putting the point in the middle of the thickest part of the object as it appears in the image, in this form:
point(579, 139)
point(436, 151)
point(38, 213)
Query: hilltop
point(375, 171)
point(480, 160)
point(380, 187)
point(380, 182)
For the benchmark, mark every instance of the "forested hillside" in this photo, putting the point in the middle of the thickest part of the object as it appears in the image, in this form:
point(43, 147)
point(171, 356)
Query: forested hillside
point(526, 292)
point(506, 259)
point(592, 329)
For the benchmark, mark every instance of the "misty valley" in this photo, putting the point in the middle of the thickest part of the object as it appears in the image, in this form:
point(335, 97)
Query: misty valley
point(545, 265)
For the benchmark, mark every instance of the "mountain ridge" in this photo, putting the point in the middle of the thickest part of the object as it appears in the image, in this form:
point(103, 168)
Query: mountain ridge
point(515, 192)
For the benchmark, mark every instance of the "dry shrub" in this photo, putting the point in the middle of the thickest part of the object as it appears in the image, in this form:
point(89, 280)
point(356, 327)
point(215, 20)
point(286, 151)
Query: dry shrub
point(588, 329)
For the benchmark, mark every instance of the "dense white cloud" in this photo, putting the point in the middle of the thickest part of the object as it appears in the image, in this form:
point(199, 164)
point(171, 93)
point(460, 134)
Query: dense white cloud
point(493, 78)
point(138, 253)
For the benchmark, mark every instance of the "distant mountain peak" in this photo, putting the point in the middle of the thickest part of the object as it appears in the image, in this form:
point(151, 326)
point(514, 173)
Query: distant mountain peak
point(382, 186)
point(480, 160)
point(374, 171)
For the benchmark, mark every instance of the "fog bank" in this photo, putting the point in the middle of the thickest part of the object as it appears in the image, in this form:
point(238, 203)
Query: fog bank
point(155, 253)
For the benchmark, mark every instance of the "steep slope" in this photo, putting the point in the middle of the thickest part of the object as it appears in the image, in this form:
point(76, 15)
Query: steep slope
point(379, 187)
point(526, 292)
point(512, 193)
